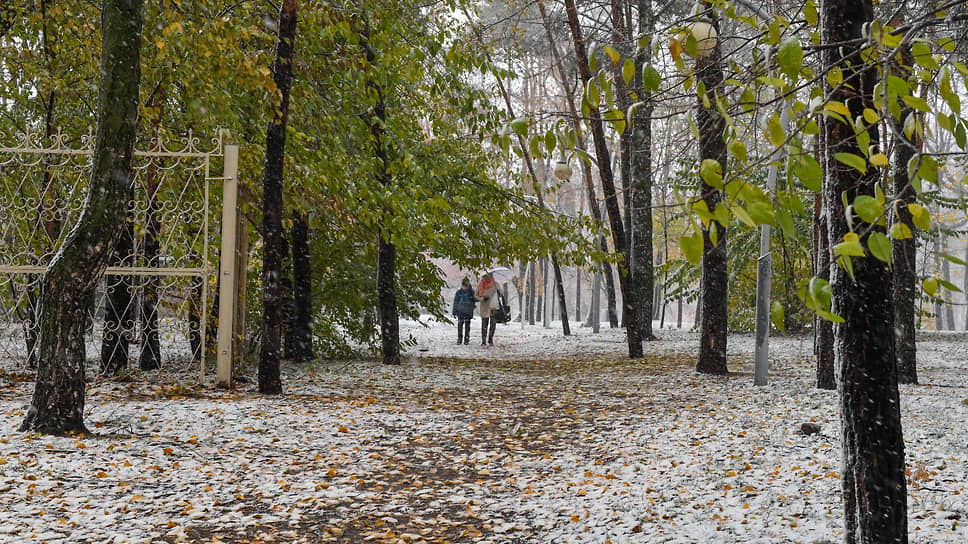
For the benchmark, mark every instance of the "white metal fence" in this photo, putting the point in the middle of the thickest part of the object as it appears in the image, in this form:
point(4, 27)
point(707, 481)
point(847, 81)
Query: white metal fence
point(174, 216)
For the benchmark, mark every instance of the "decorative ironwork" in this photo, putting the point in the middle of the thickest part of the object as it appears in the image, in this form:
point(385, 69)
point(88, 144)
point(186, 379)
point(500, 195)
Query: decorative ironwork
point(43, 184)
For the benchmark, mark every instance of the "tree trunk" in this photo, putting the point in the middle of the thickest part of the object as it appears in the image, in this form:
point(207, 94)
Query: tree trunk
point(532, 291)
point(713, 282)
point(947, 306)
point(270, 381)
point(387, 251)
point(57, 405)
point(873, 479)
point(823, 341)
point(150, 357)
point(608, 187)
point(118, 304)
point(302, 287)
point(288, 315)
point(904, 276)
point(640, 151)
point(150, 352)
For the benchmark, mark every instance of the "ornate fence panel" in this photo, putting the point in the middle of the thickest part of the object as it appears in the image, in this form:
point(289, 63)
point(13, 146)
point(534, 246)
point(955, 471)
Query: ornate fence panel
point(157, 291)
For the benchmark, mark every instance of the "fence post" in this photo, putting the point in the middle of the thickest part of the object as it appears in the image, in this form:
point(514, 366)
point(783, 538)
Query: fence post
point(226, 298)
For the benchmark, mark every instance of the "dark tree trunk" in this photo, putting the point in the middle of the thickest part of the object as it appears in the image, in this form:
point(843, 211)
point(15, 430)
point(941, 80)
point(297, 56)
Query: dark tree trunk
point(713, 282)
point(270, 381)
point(531, 289)
point(611, 299)
point(640, 151)
point(873, 479)
point(150, 356)
point(562, 306)
point(823, 341)
point(118, 305)
point(387, 251)
point(608, 187)
point(578, 296)
point(904, 259)
point(288, 317)
point(302, 287)
point(57, 406)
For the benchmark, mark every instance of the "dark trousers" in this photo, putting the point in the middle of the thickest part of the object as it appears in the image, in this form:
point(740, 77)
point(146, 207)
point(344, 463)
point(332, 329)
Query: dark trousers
point(487, 330)
point(463, 330)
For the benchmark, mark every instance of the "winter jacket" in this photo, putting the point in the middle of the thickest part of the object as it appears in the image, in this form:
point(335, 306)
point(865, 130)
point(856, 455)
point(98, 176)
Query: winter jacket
point(463, 304)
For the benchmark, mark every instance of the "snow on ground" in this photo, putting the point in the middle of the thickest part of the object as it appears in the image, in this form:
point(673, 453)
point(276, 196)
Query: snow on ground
point(541, 438)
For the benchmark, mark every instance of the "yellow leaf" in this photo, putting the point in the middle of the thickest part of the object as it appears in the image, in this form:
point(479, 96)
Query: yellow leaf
point(343, 429)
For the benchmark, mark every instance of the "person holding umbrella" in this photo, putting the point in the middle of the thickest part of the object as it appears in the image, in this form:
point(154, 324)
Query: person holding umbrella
point(487, 295)
point(463, 310)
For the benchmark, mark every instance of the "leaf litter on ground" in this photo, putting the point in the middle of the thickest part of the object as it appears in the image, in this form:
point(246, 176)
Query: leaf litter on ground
point(541, 438)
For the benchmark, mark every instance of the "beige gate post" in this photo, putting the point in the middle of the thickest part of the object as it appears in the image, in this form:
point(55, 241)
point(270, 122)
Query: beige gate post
point(226, 297)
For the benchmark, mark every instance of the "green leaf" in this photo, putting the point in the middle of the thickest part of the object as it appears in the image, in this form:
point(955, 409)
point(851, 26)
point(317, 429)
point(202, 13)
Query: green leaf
point(784, 220)
point(917, 103)
point(712, 173)
point(790, 58)
point(774, 130)
point(592, 95)
point(922, 55)
point(854, 161)
point(738, 149)
point(930, 286)
point(928, 170)
point(809, 172)
point(551, 141)
point(691, 247)
point(820, 293)
point(520, 126)
point(949, 286)
point(743, 216)
point(651, 78)
point(777, 316)
point(920, 216)
point(880, 246)
point(761, 212)
point(952, 258)
point(830, 316)
point(850, 247)
point(810, 13)
point(628, 70)
point(900, 231)
point(868, 208)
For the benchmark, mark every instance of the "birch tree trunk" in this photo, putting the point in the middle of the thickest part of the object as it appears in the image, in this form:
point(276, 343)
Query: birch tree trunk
point(57, 405)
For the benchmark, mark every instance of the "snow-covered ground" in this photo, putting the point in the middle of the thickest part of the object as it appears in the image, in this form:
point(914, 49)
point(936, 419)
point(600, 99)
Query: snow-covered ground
point(541, 438)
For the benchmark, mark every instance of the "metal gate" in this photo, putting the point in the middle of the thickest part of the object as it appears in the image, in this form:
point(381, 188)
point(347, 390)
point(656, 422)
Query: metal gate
point(173, 218)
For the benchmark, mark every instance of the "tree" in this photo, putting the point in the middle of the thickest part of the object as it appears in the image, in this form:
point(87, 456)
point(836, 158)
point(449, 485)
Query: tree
point(712, 154)
point(640, 149)
point(873, 479)
point(302, 290)
point(608, 185)
point(272, 189)
point(904, 252)
point(57, 405)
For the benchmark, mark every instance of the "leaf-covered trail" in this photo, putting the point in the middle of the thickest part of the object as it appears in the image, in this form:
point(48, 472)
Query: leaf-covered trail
point(498, 446)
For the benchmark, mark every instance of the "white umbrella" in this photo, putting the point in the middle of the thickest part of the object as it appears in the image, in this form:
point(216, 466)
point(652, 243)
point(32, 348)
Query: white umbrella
point(501, 274)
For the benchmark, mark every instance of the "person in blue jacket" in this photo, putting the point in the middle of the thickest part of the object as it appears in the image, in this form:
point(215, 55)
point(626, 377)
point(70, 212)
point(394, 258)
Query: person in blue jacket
point(463, 310)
